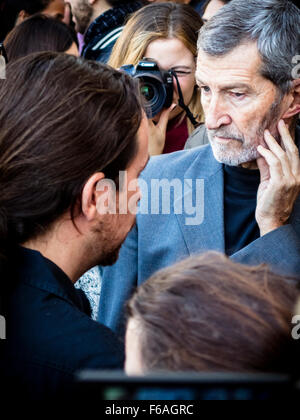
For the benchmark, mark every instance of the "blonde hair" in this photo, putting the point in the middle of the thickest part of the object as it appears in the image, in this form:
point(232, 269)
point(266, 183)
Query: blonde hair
point(159, 21)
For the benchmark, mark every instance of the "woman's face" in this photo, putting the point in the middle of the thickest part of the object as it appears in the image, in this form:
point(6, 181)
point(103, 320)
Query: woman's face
point(173, 54)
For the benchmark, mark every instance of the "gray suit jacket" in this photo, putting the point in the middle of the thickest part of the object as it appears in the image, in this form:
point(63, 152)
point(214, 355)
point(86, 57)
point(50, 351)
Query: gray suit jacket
point(197, 138)
point(159, 240)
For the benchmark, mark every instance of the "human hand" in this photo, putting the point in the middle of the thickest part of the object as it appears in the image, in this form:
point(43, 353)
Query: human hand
point(158, 131)
point(280, 180)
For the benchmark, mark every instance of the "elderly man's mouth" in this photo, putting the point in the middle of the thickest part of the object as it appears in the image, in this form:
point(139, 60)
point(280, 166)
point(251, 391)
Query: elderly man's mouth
point(224, 139)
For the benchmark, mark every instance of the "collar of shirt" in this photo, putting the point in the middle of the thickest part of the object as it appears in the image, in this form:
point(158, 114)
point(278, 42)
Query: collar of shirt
point(30, 265)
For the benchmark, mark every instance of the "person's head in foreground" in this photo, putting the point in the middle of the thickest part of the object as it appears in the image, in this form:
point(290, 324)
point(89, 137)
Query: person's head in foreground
point(247, 74)
point(209, 314)
point(166, 33)
point(66, 126)
point(40, 33)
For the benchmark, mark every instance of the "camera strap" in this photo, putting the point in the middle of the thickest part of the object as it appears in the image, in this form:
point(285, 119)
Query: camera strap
point(181, 101)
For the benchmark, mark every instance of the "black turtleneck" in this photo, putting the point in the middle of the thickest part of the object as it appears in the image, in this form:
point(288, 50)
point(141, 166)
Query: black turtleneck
point(240, 198)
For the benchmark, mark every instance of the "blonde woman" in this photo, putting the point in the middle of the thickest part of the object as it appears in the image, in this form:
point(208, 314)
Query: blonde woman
point(166, 33)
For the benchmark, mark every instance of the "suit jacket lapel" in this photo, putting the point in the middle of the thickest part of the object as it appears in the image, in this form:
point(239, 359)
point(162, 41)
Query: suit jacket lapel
point(209, 235)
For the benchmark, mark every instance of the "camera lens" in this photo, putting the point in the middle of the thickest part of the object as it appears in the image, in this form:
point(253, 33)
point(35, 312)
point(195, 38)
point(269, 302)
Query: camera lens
point(154, 93)
point(148, 92)
point(156, 87)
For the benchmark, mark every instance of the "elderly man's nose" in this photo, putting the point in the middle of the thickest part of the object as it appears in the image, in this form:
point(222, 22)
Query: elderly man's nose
point(216, 116)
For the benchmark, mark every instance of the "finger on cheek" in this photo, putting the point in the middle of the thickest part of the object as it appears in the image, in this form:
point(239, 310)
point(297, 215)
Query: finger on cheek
point(285, 133)
point(269, 138)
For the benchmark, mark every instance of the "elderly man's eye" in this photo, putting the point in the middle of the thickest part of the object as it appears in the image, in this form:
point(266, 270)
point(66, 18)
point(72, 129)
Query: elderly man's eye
point(205, 89)
point(238, 95)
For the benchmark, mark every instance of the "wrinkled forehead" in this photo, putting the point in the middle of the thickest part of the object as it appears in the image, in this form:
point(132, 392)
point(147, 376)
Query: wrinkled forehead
point(241, 65)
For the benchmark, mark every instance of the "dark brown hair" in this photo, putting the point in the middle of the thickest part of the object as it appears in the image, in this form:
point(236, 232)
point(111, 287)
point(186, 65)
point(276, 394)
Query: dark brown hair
point(210, 314)
point(36, 34)
point(62, 119)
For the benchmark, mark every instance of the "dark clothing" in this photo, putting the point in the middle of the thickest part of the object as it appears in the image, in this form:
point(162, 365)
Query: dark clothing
point(50, 335)
point(198, 5)
point(176, 137)
point(240, 199)
point(103, 33)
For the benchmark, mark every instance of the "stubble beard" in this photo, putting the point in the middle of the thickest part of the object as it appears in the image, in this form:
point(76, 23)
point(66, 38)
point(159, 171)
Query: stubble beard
point(83, 13)
point(110, 245)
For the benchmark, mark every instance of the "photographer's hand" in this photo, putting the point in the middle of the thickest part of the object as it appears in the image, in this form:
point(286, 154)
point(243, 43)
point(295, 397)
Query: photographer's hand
point(157, 132)
point(280, 181)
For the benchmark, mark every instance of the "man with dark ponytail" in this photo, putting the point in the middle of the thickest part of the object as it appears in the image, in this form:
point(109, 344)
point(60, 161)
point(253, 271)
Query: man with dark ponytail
point(68, 126)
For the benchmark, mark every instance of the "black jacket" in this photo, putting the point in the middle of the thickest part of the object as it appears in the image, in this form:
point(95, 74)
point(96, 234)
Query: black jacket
point(103, 33)
point(49, 333)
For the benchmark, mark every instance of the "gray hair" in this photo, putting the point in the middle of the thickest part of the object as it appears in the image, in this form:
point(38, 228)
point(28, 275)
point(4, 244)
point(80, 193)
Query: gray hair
point(273, 24)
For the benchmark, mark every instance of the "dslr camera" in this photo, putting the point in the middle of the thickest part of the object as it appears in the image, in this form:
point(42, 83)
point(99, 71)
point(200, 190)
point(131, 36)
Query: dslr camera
point(156, 86)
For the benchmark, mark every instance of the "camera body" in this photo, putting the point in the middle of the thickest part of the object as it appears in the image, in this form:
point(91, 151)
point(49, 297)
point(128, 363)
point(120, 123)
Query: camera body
point(156, 86)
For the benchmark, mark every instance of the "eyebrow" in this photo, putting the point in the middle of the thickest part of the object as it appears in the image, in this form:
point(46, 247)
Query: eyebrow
point(229, 87)
point(172, 68)
point(181, 67)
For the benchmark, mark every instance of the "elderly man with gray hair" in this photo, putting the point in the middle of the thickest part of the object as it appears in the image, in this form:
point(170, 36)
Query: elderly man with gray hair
point(248, 72)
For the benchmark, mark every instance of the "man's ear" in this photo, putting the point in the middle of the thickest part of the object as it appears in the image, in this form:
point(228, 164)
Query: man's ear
point(89, 196)
point(92, 2)
point(294, 108)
